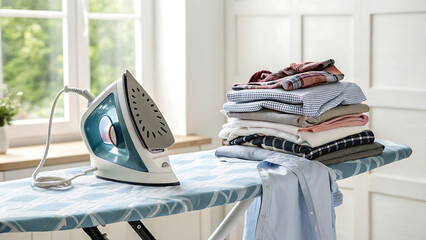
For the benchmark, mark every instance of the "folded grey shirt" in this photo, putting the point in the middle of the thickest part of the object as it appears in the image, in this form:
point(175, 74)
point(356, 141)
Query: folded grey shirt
point(298, 120)
point(352, 153)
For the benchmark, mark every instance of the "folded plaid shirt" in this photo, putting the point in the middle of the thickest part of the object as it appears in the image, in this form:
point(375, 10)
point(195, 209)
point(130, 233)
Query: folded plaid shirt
point(282, 145)
point(295, 76)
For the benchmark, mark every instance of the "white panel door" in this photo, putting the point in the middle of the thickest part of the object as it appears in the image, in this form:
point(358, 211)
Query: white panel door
point(380, 45)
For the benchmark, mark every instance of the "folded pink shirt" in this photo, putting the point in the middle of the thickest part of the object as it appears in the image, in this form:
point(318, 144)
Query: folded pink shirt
point(357, 119)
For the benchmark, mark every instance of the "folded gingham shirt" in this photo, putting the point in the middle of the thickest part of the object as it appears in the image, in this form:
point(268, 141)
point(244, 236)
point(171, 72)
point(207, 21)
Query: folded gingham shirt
point(306, 101)
point(282, 145)
point(295, 76)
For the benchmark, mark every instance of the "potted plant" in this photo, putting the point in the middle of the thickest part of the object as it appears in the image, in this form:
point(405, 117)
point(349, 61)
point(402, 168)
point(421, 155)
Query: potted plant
point(9, 107)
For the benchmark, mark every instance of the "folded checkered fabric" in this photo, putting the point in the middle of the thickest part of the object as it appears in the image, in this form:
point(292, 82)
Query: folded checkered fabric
point(295, 76)
point(282, 145)
point(306, 101)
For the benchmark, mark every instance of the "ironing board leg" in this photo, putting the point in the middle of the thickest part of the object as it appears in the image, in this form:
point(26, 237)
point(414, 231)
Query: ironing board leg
point(141, 230)
point(231, 220)
point(94, 233)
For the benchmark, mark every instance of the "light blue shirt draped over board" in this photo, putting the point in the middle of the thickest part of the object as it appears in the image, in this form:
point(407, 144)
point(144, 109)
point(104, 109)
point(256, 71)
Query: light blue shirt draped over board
point(298, 196)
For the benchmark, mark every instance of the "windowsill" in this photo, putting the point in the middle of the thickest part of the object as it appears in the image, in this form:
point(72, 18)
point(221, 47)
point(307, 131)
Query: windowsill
point(70, 152)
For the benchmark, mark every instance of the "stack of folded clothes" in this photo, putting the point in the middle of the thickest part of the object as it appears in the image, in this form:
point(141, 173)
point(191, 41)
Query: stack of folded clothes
point(304, 110)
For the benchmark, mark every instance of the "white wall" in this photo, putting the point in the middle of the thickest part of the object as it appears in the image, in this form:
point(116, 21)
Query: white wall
point(170, 62)
point(189, 74)
point(205, 67)
point(381, 46)
point(189, 65)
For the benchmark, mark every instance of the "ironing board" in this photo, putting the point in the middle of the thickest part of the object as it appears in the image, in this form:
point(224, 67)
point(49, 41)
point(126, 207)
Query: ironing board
point(205, 182)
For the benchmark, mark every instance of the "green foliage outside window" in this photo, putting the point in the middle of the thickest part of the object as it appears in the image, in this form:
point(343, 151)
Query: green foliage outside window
point(111, 44)
point(32, 53)
point(32, 58)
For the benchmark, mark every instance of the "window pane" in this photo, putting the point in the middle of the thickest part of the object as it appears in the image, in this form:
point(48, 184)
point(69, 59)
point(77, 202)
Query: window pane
point(52, 5)
point(33, 63)
point(112, 6)
point(2, 90)
point(112, 51)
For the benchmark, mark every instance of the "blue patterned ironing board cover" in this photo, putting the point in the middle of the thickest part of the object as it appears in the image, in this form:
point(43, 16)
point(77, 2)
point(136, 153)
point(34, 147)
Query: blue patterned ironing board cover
point(205, 182)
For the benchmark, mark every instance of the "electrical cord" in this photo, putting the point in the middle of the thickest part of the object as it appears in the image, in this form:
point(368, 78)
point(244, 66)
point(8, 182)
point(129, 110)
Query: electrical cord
point(52, 181)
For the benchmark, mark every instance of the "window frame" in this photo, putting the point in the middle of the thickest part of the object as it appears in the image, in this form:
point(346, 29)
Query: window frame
point(75, 17)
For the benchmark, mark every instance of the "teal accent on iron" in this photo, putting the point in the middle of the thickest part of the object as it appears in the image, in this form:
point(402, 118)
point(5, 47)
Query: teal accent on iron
point(125, 153)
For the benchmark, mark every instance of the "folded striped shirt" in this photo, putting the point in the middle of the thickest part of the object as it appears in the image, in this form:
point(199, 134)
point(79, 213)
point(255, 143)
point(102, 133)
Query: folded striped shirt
point(305, 101)
point(295, 76)
point(282, 145)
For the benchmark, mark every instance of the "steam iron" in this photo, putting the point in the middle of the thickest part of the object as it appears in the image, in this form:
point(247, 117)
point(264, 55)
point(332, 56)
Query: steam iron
point(127, 136)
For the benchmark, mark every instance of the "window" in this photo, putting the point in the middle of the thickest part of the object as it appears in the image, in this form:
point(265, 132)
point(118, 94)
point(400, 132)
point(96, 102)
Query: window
point(32, 54)
point(46, 44)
